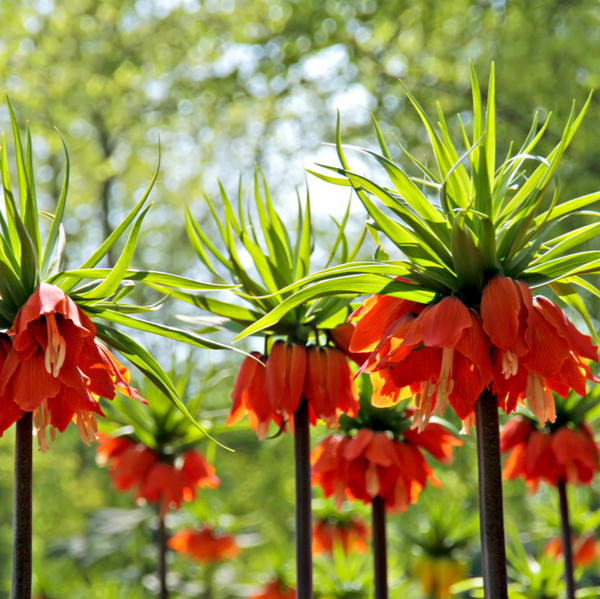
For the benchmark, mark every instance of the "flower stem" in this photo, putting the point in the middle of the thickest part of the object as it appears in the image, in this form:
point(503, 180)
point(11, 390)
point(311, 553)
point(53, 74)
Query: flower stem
point(304, 580)
point(21, 576)
point(567, 545)
point(379, 549)
point(491, 511)
point(163, 592)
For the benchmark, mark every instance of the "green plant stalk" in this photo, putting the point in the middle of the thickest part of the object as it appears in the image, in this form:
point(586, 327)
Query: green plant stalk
point(379, 548)
point(491, 510)
point(567, 545)
point(304, 575)
point(22, 514)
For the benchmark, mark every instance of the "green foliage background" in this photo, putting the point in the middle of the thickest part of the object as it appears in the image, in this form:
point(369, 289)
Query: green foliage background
point(229, 84)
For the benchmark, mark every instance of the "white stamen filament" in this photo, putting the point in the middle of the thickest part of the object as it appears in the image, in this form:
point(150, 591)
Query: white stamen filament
point(56, 349)
point(87, 426)
point(423, 401)
point(510, 364)
point(540, 399)
point(41, 418)
point(468, 424)
point(446, 383)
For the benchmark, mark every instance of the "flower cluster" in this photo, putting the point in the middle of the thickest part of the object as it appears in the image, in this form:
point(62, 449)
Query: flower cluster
point(351, 533)
point(153, 478)
point(269, 388)
point(563, 454)
point(446, 352)
point(206, 545)
point(372, 464)
point(276, 589)
point(585, 550)
point(51, 364)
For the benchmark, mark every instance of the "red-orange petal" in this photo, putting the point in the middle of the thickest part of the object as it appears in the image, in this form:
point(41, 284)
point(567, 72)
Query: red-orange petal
point(500, 306)
point(440, 325)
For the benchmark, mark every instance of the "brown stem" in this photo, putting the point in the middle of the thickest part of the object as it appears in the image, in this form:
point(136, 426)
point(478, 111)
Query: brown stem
point(379, 549)
point(163, 592)
point(22, 520)
point(491, 511)
point(567, 544)
point(304, 579)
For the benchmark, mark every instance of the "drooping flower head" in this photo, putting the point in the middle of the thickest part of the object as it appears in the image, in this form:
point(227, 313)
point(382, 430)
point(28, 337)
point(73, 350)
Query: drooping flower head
point(350, 533)
point(564, 451)
point(54, 363)
point(585, 549)
point(537, 349)
point(56, 368)
point(302, 357)
point(455, 316)
point(438, 353)
point(379, 455)
point(276, 589)
point(524, 348)
point(205, 545)
point(155, 478)
point(155, 459)
point(270, 388)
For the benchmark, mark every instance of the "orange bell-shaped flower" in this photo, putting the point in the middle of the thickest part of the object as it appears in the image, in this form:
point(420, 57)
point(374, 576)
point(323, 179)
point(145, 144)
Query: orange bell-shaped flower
point(168, 483)
point(537, 349)
point(565, 454)
point(56, 368)
point(372, 464)
point(352, 535)
point(205, 545)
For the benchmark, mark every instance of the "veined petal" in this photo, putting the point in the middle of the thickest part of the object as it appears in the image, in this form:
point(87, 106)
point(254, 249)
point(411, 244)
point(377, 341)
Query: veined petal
point(548, 351)
point(358, 445)
point(440, 325)
point(474, 345)
point(515, 432)
point(277, 374)
point(296, 360)
point(385, 391)
point(31, 384)
point(240, 388)
point(380, 451)
point(579, 343)
point(379, 313)
point(467, 388)
point(317, 389)
point(500, 306)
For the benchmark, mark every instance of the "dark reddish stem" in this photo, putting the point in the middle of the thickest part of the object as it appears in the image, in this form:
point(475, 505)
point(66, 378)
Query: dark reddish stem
point(304, 578)
point(379, 549)
point(491, 510)
point(567, 545)
point(22, 527)
point(163, 592)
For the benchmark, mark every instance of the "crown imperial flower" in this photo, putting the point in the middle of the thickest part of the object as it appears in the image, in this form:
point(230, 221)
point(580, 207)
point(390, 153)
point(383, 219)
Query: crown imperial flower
point(55, 367)
point(206, 545)
point(564, 454)
point(168, 483)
